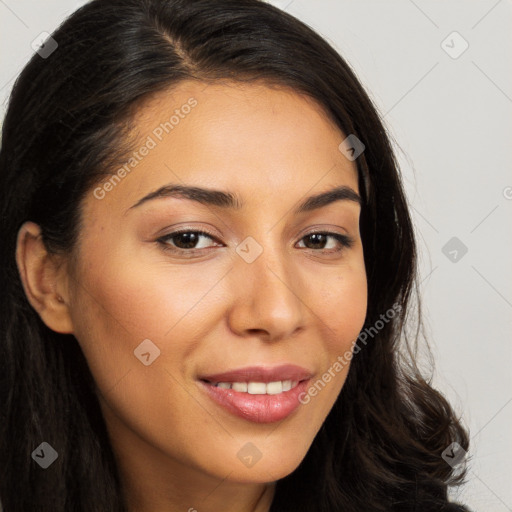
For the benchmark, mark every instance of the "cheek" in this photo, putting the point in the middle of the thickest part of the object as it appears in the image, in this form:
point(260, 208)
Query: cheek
point(342, 304)
point(125, 311)
point(121, 305)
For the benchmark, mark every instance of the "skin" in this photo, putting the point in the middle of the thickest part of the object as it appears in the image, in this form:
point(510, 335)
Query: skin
point(212, 312)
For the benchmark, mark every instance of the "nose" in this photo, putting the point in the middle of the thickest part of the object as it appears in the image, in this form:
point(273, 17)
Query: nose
point(267, 300)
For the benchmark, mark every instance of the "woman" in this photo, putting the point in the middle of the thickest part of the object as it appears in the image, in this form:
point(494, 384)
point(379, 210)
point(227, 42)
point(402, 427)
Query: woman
point(207, 264)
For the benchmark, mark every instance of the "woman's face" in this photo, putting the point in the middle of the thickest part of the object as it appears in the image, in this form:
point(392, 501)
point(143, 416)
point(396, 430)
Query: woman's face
point(156, 314)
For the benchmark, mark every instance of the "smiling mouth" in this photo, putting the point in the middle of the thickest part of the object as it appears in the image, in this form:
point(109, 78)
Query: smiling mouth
point(260, 394)
point(257, 402)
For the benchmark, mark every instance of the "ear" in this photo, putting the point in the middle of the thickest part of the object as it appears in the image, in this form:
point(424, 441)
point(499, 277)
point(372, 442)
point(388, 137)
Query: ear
point(44, 279)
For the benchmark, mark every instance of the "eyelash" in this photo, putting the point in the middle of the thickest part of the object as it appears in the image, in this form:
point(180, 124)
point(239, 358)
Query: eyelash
point(345, 241)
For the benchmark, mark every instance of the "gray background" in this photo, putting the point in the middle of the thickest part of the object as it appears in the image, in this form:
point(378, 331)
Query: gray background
point(451, 117)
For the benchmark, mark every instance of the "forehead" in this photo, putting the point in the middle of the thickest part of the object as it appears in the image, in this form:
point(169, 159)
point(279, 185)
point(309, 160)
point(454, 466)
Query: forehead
point(261, 141)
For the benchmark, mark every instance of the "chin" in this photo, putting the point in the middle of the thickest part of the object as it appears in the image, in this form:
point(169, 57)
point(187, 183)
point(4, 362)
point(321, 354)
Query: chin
point(265, 470)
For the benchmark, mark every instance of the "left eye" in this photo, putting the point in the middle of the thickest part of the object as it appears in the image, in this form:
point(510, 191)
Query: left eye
point(320, 237)
point(185, 241)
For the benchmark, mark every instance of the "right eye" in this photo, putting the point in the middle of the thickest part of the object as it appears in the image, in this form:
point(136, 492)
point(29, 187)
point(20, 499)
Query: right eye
point(184, 240)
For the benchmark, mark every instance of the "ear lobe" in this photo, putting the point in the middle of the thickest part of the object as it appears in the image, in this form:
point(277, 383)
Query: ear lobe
point(44, 280)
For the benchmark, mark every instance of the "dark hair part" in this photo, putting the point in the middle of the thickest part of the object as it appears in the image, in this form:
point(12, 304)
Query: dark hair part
point(67, 124)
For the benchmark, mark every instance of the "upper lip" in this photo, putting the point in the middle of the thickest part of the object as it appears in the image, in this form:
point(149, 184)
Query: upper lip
point(260, 374)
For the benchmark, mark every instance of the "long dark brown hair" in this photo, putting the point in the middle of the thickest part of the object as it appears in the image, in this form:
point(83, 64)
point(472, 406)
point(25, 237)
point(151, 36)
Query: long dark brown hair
point(380, 447)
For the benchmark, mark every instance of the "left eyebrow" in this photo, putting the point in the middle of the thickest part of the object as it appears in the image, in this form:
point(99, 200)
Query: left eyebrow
point(342, 193)
point(224, 199)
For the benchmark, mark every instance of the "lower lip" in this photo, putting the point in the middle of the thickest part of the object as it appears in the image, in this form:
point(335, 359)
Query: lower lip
point(257, 408)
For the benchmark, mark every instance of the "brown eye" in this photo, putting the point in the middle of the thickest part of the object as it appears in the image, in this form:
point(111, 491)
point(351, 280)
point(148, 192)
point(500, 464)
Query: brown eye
point(318, 241)
point(185, 240)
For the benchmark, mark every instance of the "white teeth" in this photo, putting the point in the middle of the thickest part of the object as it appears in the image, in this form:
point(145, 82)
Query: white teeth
point(273, 388)
point(239, 386)
point(287, 385)
point(259, 388)
point(256, 388)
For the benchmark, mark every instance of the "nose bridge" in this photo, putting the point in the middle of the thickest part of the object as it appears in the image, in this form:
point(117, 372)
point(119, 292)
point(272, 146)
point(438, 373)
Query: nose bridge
point(266, 295)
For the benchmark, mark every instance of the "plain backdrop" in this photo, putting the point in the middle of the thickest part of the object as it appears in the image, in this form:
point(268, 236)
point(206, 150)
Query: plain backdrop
point(440, 74)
